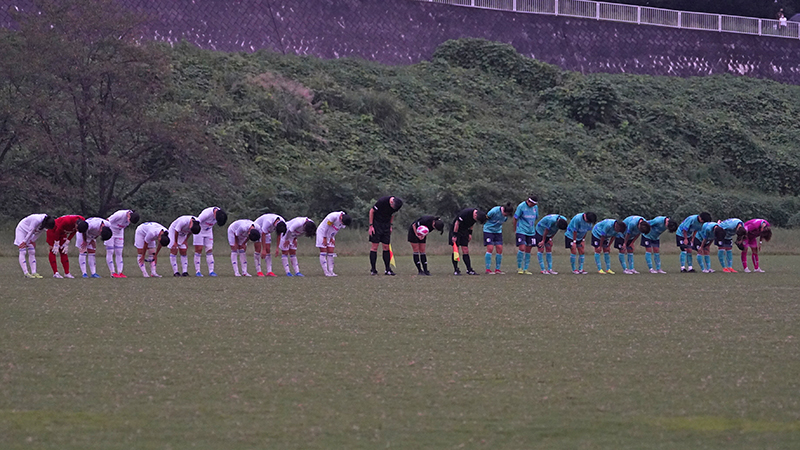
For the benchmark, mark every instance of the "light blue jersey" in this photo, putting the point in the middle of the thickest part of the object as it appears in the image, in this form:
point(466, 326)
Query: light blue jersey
point(495, 220)
point(577, 228)
point(632, 225)
point(658, 226)
point(605, 229)
point(690, 225)
point(549, 223)
point(526, 218)
point(706, 232)
point(730, 225)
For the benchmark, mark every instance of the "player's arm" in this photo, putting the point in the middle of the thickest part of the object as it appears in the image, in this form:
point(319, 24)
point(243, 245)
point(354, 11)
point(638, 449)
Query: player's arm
point(144, 252)
point(371, 229)
point(455, 231)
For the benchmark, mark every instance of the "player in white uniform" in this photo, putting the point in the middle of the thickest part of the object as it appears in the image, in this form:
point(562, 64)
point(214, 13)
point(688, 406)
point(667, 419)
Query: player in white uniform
point(119, 221)
point(326, 239)
point(239, 232)
point(27, 232)
point(150, 237)
point(205, 238)
point(179, 231)
point(288, 245)
point(267, 223)
point(86, 243)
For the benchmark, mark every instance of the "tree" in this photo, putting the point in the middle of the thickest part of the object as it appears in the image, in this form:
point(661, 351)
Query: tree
point(84, 110)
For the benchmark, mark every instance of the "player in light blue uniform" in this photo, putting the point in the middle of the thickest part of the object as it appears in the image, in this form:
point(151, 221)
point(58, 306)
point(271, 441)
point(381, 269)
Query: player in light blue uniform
point(577, 228)
point(733, 227)
point(634, 226)
point(709, 231)
point(684, 238)
point(493, 235)
point(547, 227)
point(525, 225)
point(652, 241)
point(602, 233)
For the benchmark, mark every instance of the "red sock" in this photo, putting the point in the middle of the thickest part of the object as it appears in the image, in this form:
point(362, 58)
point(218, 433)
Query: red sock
point(755, 260)
point(52, 258)
point(65, 262)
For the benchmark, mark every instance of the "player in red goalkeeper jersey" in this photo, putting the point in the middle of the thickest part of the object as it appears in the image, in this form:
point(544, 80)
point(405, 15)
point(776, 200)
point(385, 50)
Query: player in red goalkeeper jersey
point(58, 239)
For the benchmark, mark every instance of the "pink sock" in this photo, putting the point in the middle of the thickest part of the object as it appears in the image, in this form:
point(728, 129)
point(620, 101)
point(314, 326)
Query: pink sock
point(744, 259)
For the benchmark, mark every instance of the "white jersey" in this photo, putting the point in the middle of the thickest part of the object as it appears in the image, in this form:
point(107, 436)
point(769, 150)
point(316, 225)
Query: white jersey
point(331, 224)
point(119, 221)
point(96, 225)
point(239, 231)
point(294, 227)
point(179, 230)
point(29, 229)
point(267, 222)
point(148, 233)
point(208, 218)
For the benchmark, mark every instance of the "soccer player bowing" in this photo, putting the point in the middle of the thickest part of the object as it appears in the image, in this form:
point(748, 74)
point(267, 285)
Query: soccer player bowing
point(461, 234)
point(150, 237)
point(267, 223)
point(179, 231)
point(87, 244)
point(119, 221)
point(239, 233)
point(326, 239)
point(27, 232)
point(288, 244)
point(205, 238)
point(58, 238)
point(418, 236)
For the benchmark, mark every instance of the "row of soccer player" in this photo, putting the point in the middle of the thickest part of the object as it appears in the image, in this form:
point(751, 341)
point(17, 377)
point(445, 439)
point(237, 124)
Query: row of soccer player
point(695, 233)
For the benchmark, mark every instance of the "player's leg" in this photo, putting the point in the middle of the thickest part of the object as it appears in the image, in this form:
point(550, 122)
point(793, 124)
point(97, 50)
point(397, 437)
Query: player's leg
point(331, 254)
point(629, 249)
point(417, 256)
point(581, 256)
point(540, 254)
point(520, 238)
point(548, 256)
point(527, 261)
point(243, 258)
point(570, 244)
point(293, 259)
point(498, 257)
point(387, 256)
point(423, 257)
point(755, 258)
point(596, 243)
point(622, 253)
point(488, 255)
point(268, 259)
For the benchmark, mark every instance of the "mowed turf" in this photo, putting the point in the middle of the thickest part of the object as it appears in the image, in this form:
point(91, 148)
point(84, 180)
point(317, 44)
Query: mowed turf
point(649, 361)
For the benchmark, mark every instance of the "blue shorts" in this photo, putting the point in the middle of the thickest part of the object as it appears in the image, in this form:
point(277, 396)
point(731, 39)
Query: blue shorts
point(650, 243)
point(524, 239)
point(492, 239)
point(568, 241)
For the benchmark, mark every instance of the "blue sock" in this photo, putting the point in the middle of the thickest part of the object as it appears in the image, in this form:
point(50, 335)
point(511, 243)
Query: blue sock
point(630, 261)
point(721, 257)
point(572, 259)
point(497, 260)
point(688, 260)
point(622, 261)
point(541, 260)
point(549, 257)
point(708, 262)
point(657, 257)
point(683, 259)
point(582, 259)
point(597, 261)
point(648, 258)
point(527, 260)
point(607, 259)
point(488, 258)
point(520, 257)
point(729, 257)
point(701, 261)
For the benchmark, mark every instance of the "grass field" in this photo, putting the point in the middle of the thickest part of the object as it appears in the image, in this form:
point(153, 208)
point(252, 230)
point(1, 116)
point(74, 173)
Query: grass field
point(650, 361)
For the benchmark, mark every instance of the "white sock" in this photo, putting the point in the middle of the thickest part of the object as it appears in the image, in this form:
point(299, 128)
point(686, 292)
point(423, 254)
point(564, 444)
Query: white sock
point(22, 263)
point(243, 260)
point(293, 258)
point(197, 262)
point(330, 261)
point(257, 260)
point(32, 258)
point(210, 261)
point(173, 259)
point(82, 262)
point(323, 261)
point(268, 262)
point(153, 268)
point(110, 259)
point(285, 261)
point(185, 263)
point(92, 263)
point(234, 263)
point(142, 266)
point(118, 258)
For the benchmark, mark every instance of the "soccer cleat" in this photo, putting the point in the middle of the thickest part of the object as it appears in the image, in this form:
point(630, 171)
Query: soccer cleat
point(373, 272)
point(146, 275)
point(246, 275)
point(298, 274)
point(457, 272)
point(212, 274)
point(237, 274)
point(489, 272)
point(260, 274)
point(36, 275)
point(683, 269)
point(198, 274)
point(389, 272)
point(660, 271)
point(691, 270)
point(601, 272)
point(576, 272)
point(426, 273)
point(583, 272)
point(176, 274)
point(331, 274)
point(271, 274)
point(544, 272)
point(553, 272)
point(627, 272)
point(114, 275)
point(289, 274)
point(57, 275)
point(29, 275)
point(121, 275)
point(610, 272)
point(710, 271)
point(634, 272)
point(724, 269)
point(94, 275)
point(85, 276)
point(758, 270)
point(732, 270)
point(68, 275)
point(471, 272)
point(185, 274)
point(499, 272)
point(155, 275)
point(520, 272)
point(653, 271)
point(746, 270)
point(527, 272)
point(705, 270)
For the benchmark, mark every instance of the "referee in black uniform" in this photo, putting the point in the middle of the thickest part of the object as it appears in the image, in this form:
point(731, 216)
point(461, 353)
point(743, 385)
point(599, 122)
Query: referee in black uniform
point(461, 234)
point(380, 230)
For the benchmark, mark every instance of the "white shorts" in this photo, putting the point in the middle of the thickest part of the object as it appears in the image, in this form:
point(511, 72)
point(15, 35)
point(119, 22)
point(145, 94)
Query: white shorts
point(205, 238)
point(330, 234)
point(139, 241)
point(268, 238)
point(117, 240)
point(92, 244)
point(288, 244)
point(182, 238)
point(19, 237)
point(233, 240)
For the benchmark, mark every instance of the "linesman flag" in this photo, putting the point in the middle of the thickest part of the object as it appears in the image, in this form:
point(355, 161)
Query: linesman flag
point(391, 257)
point(455, 252)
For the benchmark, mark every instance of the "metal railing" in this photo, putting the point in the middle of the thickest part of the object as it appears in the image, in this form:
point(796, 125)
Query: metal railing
point(640, 15)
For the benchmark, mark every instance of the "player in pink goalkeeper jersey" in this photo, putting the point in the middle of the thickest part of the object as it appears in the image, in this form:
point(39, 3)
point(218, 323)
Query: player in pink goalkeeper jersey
point(758, 230)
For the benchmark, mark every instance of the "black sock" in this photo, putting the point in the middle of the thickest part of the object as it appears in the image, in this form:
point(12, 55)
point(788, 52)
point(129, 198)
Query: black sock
point(386, 258)
point(424, 260)
point(467, 262)
point(416, 262)
point(373, 258)
point(455, 263)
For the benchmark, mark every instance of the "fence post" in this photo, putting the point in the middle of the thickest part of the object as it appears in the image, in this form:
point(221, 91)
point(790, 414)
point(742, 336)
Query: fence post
point(556, 7)
point(597, 11)
point(680, 25)
point(639, 15)
point(759, 27)
point(514, 5)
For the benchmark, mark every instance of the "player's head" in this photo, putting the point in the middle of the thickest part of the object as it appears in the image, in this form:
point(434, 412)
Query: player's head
point(480, 216)
point(619, 226)
point(106, 233)
point(49, 222)
point(740, 231)
point(438, 224)
point(672, 226)
point(766, 234)
point(643, 226)
point(133, 216)
point(221, 217)
point(164, 239)
point(281, 227)
point(508, 209)
point(309, 228)
point(590, 217)
point(562, 223)
point(532, 200)
point(254, 235)
point(719, 233)
point(195, 226)
point(346, 219)
point(396, 203)
point(82, 225)
point(704, 217)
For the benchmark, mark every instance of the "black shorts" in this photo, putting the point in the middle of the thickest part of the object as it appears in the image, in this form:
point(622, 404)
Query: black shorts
point(679, 243)
point(618, 241)
point(538, 238)
point(600, 241)
point(462, 239)
point(412, 237)
point(524, 239)
point(382, 233)
point(647, 243)
point(568, 242)
point(697, 243)
point(725, 243)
